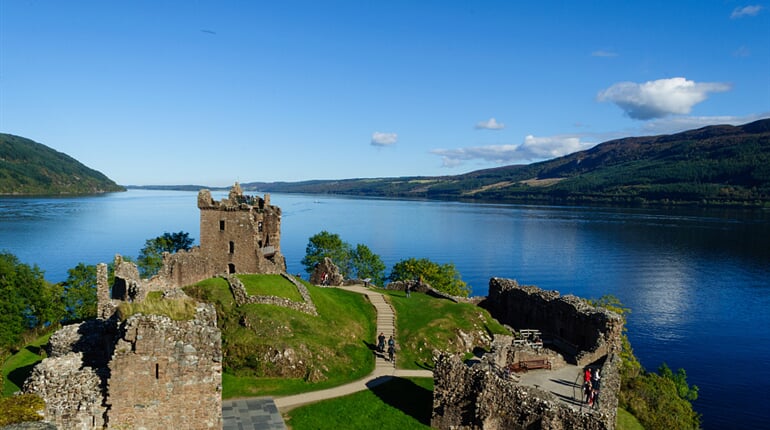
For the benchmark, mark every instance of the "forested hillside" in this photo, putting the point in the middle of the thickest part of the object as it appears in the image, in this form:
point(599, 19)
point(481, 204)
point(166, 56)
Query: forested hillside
point(715, 165)
point(31, 168)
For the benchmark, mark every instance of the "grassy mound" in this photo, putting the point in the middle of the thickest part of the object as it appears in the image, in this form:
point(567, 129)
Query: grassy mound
point(271, 350)
point(425, 323)
point(18, 366)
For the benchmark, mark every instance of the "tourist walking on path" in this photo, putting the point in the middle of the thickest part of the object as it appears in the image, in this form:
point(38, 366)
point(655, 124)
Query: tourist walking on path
point(391, 348)
point(381, 343)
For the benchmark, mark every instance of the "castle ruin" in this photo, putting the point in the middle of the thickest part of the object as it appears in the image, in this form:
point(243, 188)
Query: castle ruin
point(498, 392)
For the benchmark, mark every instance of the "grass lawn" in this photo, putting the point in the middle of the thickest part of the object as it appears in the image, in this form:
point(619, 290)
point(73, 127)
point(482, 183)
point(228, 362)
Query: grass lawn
point(270, 285)
point(626, 421)
point(425, 323)
point(331, 346)
point(18, 367)
point(397, 404)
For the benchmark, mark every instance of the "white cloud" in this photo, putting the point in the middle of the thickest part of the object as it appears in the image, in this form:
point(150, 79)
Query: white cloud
point(603, 53)
point(490, 124)
point(657, 99)
point(384, 139)
point(740, 12)
point(532, 149)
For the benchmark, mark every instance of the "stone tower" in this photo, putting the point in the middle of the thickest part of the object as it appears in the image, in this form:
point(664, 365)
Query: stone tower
point(241, 234)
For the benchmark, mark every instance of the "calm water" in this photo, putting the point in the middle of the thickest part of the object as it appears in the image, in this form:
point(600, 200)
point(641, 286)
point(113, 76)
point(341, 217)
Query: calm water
point(698, 282)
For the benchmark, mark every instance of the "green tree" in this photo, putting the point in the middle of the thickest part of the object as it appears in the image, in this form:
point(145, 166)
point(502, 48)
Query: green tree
point(80, 293)
point(325, 244)
point(27, 301)
point(443, 277)
point(367, 264)
point(151, 256)
point(685, 391)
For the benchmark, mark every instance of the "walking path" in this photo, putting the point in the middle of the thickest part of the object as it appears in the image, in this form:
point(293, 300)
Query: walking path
point(261, 413)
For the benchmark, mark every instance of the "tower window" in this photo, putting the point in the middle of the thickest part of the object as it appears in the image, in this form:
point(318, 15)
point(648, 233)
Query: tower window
point(221, 225)
point(232, 247)
point(259, 226)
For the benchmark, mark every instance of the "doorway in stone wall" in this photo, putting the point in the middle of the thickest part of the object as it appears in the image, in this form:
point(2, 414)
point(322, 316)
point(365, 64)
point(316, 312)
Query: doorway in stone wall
point(231, 268)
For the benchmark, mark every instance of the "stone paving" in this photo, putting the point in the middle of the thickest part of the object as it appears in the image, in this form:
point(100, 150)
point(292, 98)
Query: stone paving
point(264, 413)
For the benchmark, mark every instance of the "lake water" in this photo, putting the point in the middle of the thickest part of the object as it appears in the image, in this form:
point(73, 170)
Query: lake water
point(698, 282)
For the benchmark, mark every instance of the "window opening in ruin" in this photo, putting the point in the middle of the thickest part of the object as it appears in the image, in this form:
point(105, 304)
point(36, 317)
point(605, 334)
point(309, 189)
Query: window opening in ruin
point(231, 268)
point(119, 289)
point(157, 371)
point(259, 226)
point(232, 247)
point(222, 225)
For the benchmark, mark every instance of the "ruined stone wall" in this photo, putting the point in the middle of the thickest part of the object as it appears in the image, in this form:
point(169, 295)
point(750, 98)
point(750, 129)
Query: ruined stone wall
point(477, 397)
point(241, 297)
point(583, 333)
point(166, 374)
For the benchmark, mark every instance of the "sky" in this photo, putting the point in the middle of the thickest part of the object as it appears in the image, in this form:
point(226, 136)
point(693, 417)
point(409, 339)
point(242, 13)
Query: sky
point(213, 92)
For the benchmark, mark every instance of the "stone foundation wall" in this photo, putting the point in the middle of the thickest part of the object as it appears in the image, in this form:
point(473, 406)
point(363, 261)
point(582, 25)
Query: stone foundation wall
point(478, 397)
point(583, 333)
point(241, 297)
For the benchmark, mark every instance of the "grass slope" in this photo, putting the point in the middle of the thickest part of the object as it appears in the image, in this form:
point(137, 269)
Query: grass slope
point(19, 366)
point(425, 323)
point(331, 348)
point(397, 404)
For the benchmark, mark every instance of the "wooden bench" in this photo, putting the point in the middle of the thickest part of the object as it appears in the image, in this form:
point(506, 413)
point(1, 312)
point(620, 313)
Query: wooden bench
point(535, 364)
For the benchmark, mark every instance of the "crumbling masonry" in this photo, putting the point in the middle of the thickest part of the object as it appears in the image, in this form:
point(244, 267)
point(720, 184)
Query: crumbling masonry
point(486, 395)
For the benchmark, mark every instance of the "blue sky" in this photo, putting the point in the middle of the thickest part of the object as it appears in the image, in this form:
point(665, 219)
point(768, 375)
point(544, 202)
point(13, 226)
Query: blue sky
point(212, 92)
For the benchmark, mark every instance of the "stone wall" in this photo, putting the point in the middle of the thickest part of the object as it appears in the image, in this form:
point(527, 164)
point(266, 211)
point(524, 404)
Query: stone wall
point(479, 397)
point(241, 297)
point(167, 374)
point(145, 372)
point(581, 332)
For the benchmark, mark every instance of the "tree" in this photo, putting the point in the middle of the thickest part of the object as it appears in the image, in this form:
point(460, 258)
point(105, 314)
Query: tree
point(685, 391)
point(27, 301)
point(325, 244)
point(151, 256)
point(80, 293)
point(443, 277)
point(367, 264)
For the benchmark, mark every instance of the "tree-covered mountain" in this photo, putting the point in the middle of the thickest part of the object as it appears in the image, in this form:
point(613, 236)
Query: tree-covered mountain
point(31, 168)
point(715, 165)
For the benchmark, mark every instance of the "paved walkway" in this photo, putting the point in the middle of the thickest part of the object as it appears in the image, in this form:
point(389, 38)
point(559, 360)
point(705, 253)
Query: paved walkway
point(250, 413)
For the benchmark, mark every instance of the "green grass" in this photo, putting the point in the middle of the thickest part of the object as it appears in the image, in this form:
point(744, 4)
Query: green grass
point(425, 323)
point(397, 404)
point(332, 346)
point(155, 304)
point(270, 285)
point(626, 421)
point(18, 366)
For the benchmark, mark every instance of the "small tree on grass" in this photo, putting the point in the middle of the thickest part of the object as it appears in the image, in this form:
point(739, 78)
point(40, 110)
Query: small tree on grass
point(367, 264)
point(442, 277)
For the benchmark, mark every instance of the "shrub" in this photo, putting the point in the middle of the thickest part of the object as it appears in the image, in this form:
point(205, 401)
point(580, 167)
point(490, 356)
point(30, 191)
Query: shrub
point(21, 408)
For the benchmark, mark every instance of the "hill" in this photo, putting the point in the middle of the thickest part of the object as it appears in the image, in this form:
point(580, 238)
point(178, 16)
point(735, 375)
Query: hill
point(31, 168)
point(715, 165)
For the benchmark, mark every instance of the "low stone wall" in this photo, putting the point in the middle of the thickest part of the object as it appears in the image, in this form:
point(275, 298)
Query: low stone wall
point(242, 297)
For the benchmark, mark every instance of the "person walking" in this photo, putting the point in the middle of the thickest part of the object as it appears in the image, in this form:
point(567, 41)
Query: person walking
point(391, 349)
point(381, 343)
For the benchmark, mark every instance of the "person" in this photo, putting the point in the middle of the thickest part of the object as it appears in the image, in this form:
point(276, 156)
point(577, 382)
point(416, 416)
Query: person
point(595, 387)
point(391, 348)
point(587, 388)
point(381, 343)
point(408, 287)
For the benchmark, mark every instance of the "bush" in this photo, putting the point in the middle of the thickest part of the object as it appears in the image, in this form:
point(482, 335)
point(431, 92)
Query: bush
point(21, 408)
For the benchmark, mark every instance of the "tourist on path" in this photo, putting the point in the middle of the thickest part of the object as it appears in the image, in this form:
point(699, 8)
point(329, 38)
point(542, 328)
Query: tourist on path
point(381, 343)
point(391, 348)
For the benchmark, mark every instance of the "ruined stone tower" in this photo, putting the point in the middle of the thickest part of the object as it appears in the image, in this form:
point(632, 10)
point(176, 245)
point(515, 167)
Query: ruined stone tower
point(241, 234)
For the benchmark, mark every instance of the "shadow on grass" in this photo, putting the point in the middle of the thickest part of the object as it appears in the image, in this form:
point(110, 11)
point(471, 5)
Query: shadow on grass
point(406, 396)
point(20, 374)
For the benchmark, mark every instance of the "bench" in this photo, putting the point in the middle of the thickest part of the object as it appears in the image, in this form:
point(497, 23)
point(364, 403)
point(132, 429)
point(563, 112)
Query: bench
point(535, 364)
